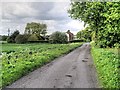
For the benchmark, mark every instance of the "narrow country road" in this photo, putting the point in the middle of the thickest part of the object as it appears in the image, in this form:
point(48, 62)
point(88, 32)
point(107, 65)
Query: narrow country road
point(74, 70)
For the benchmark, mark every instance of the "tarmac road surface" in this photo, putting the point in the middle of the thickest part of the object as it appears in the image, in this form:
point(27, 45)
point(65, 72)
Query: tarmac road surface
point(74, 70)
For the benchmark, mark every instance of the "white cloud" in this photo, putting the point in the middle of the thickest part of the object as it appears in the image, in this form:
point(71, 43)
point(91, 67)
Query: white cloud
point(59, 8)
point(24, 10)
point(16, 15)
point(0, 10)
point(14, 10)
point(76, 24)
point(1, 18)
point(35, 0)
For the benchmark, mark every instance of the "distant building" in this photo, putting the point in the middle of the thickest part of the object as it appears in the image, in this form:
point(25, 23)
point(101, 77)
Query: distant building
point(70, 35)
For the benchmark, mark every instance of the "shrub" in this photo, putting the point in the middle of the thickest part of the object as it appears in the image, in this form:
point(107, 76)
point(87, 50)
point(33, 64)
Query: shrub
point(11, 39)
point(117, 45)
point(33, 37)
point(58, 37)
point(3, 38)
point(0, 38)
point(107, 65)
point(22, 38)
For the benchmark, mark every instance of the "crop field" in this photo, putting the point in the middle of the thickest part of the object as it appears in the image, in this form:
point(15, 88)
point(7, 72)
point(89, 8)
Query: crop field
point(108, 66)
point(20, 59)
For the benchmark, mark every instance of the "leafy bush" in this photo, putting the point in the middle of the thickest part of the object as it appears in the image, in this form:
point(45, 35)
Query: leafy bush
point(22, 38)
point(117, 45)
point(0, 37)
point(85, 34)
point(107, 64)
point(11, 39)
point(33, 37)
point(58, 37)
point(3, 38)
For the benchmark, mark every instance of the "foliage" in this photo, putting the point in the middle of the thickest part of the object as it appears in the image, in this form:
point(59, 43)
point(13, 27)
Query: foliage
point(58, 37)
point(85, 34)
point(27, 57)
point(0, 37)
point(22, 38)
point(11, 39)
point(3, 38)
point(33, 37)
point(107, 64)
point(36, 28)
point(102, 17)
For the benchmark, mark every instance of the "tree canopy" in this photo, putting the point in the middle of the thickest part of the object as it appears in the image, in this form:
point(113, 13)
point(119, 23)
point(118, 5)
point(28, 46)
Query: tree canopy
point(85, 34)
point(58, 37)
point(11, 39)
point(36, 28)
point(103, 19)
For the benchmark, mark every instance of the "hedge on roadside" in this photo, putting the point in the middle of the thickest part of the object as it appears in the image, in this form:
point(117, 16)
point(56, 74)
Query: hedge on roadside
point(108, 67)
point(58, 37)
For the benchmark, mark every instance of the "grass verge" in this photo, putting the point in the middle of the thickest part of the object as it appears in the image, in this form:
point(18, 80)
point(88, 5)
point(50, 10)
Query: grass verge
point(108, 66)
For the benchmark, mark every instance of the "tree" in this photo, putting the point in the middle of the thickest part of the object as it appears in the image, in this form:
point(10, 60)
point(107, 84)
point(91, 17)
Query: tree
point(33, 37)
point(11, 39)
point(3, 38)
point(58, 37)
point(85, 34)
point(36, 28)
point(103, 19)
point(22, 38)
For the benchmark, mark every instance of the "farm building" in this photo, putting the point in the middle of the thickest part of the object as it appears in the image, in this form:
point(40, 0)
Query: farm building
point(70, 35)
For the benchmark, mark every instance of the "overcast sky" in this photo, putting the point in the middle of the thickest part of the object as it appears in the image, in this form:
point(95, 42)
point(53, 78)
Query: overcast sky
point(16, 14)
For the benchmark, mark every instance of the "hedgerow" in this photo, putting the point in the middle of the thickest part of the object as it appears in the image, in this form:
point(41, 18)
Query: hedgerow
point(108, 67)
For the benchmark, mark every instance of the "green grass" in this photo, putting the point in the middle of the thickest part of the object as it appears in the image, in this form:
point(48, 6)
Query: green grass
point(108, 66)
point(20, 59)
point(113, 50)
point(18, 47)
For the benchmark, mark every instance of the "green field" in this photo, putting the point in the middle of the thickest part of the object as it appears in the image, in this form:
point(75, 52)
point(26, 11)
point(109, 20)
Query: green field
point(108, 66)
point(20, 59)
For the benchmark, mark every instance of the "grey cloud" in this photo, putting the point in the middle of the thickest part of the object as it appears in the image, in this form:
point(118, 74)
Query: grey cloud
point(57, 12)
point(42, 6)
point(54, 14)
point(17, 10)
point(37, 10)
